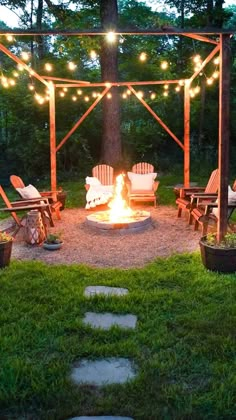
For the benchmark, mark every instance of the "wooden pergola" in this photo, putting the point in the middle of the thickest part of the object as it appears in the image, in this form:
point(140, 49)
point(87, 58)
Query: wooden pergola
point(221, 46)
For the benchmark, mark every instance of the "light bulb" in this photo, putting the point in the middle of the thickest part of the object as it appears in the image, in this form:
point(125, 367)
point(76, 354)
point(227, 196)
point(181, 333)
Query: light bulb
point(143, 56)
point(166, 86)
point(48, 67)
point(9, 38)
point(209, 81)
point(111, 37)
point(177, 88)
point(215, 74)
point(25, 56)
point(79, 91)
point(71, 65)
point(74, 98)
point(153, 95)
point(164, 65)
point(165, 93)
point(216, 61)
point(109, 95)
point(93, 54)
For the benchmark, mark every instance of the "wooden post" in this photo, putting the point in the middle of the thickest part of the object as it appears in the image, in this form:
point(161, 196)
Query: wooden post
point(52, 122)
point(186, 134)
point(224, 112)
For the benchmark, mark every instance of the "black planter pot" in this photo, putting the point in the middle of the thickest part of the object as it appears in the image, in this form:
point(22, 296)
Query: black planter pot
point(218, 259)
point(5, 253)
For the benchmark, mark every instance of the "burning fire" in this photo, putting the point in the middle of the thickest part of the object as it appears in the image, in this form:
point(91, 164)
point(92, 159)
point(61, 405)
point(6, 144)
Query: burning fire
point(119, 208)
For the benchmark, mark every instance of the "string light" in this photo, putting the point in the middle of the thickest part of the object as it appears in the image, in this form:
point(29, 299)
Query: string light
point(62, 94)
point(143, 56)
point(128, 92)
point(93, 54)
point(74, 98)
point(124, 95)
point(165, 93)
point(25, 56)
point(109, 95)
point(108, 85)
point(166, 86)
point(65, 89)
point(209, 81)
point(192, 94)
point(48, 67)
point(197, 89)
point(12, 82)
point(216, 61)
point(164, 65)
point(111, 37)
point(177, 88)
point(15, 74)
point(94, 94)
point(140, 94)
point(20, 67)
point(181, 82)
point(79, 91)
point(9, 38)
point(215, 74)
point(153, 95)
point(71, 65)
point(197, 58)
point(31, 86)
point(86, 98)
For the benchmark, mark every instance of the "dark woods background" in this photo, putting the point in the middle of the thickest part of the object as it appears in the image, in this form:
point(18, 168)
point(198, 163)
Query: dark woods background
point(119, 131)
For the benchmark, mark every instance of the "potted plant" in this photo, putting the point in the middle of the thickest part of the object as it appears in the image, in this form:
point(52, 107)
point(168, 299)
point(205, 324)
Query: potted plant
point(219, 256)
point(53, 241)
point(5, 249)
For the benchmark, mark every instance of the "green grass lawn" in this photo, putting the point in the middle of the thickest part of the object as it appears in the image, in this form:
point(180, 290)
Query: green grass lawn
point(184, 343)
point(183, 346)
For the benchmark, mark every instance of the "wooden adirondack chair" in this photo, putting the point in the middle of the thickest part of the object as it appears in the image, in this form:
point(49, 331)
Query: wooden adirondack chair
point(203, 214)
point(141, 194)
point(104, 173)
point(14, 207)
point(55, 204)
point(188, 196)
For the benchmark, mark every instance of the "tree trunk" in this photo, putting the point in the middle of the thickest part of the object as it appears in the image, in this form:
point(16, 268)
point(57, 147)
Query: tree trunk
point(39, 28)
point(111, 152)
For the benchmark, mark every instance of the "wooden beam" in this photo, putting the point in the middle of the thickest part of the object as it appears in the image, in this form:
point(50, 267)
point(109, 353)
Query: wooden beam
point(156, 117)
point(19, 61)
point(82, 118)
point(224, 115)
point(52, 125)
point(143, 83)
point(209, 57)
point(186, 134)
point(201, 38)
point(65, 80)
point(164, 30)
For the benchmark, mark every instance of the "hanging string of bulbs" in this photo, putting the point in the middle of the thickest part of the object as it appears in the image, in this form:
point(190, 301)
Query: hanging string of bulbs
point(111, 37)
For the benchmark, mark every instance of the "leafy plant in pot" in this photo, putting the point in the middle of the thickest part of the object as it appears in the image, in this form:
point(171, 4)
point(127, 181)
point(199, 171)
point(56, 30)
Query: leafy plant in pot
point(219, 256)
point(53, 241)
point(6, 241)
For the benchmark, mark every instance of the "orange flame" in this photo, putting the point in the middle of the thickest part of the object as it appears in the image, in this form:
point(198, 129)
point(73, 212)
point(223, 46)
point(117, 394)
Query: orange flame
point(119, 208)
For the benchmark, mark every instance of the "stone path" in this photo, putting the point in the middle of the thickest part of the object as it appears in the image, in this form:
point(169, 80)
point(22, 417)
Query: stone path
point(107, 320)
point(113, 370)
point(104, 290)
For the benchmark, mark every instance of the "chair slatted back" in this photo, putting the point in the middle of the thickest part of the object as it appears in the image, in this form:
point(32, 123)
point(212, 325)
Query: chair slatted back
point(8, 204)
point(142, 168)
point(104, 173)
point(213, 183)
point(16, 181)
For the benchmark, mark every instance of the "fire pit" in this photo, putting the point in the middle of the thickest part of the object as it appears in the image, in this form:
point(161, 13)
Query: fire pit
point(120, 216)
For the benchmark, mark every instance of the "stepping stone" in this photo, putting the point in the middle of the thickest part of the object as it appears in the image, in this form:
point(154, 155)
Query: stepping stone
point(113, 370)
point(104, 290)
point(101, 418)
point(107, 320)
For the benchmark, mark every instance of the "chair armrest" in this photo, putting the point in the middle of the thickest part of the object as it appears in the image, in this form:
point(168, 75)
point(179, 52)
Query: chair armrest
point(155, 185)
point(190, 191)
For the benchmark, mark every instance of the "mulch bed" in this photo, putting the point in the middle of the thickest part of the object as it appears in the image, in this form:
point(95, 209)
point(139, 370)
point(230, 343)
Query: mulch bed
point(166, 235)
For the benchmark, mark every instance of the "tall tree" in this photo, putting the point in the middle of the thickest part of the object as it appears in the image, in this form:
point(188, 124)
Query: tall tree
point(111, 140)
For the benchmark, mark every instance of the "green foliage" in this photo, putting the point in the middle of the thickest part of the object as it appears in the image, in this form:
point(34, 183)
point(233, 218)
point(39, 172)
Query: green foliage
point(229, 240)
point(183, 346)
